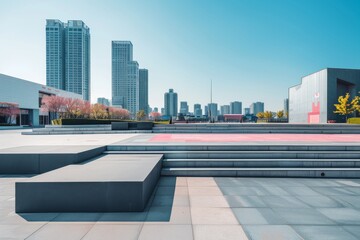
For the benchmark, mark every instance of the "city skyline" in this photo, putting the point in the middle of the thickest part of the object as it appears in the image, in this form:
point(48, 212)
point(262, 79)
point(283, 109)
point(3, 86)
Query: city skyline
point(251, 51)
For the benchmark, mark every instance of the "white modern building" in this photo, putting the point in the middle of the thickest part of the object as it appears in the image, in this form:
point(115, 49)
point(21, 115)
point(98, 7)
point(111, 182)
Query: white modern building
point(28, 95)
point(68, 56)
point(184, 107)
point(125, 77)
point(225, 109)
point(312, 101)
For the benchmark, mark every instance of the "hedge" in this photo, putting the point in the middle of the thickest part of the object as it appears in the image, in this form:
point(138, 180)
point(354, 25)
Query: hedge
point(354, 120)
point(79, 121)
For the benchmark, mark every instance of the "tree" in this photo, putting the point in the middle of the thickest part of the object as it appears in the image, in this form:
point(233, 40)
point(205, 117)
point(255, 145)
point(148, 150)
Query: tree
point(344, 107)
point(140, 115)
point(98, 111)
point(280, 114)
point(10, 111)
point(268, 115)
point(53, 104)
point(118, 113)
point(260, 115)
point(155, 115)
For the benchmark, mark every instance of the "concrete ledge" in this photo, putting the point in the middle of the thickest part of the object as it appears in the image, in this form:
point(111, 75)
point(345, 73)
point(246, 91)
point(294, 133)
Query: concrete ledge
point(40, 159)
point(110, 183)
point(119, 126)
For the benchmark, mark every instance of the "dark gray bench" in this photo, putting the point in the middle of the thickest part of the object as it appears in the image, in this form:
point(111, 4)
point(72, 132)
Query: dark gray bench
point(110, 183)
point(40, 159)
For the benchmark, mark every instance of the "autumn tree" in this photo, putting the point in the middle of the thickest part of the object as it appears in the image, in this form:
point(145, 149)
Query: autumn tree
point(260, 115)
point(53, 104)
point(140, 115)
point(98, 111)
point(268, 115)
point(280, 114)
point(346, 107)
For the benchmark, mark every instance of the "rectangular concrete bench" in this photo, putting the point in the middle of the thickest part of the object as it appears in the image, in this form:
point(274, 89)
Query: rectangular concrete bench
point(109, 183)
point(40, 159)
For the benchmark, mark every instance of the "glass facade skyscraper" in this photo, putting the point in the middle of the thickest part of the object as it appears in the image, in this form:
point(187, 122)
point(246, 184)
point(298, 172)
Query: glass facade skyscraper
point(68, 56)
point(170, 103)
point(143, 90)
point(125, 77)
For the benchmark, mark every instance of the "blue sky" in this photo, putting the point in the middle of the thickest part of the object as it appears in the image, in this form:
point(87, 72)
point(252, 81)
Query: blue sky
point(252, 50)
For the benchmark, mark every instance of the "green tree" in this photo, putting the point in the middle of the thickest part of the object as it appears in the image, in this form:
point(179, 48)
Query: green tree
point(260, 115)
point(346, 107)
point(280, 114)
point(140, 115)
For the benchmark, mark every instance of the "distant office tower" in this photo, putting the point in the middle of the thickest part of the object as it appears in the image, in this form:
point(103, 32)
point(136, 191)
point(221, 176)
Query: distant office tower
point(103, 101)
point(162, 111)
point(206, 109)
point(236, 107)
point(247, 111)
point(156, 109)
point(143, 90)
point(125, 76)
point(225, 109)
point(256, 107)
point(68, 56)
point(197, 110)
point(213, 111)
point(171, 103)
point(184, 108)
point(286, 107)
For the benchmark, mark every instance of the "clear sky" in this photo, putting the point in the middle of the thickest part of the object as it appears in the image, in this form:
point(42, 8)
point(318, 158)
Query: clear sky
point(253, 50)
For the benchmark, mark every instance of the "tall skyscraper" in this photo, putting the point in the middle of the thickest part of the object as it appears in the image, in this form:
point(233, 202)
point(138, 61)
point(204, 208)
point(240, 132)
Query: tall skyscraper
point(286, 107)
point(256, 107)
point(171, 103)
point(236, 107)
point(125, 76)
point(68, 56)
point(213, 111)
point(143, 90)
point(184, 108)
point(225, 109)
point(197, 110)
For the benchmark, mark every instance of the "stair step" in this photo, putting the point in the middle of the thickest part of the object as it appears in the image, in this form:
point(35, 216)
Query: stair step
point(266, 163)
point(264, 172)
point(249, 154)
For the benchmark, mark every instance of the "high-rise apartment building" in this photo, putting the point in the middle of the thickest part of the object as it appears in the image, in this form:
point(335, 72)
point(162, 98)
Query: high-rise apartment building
point(143, 90)
point(68, 56)
point(225, 109)
point(170, 103)
point(197, 110)
point(236, 107)
point(125, 77)
point(256, 107)
point(184, 107)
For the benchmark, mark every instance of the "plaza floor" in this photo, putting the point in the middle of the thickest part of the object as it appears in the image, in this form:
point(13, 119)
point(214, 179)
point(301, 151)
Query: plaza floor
point(200, 208)
point(206, 208)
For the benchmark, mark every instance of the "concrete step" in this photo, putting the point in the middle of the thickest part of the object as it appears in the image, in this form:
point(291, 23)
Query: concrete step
point(87, 132)
point(229, 147)
point(264, 172)
point(250, 154)
point(310, 131)
point(263, 163)
point(79, 126)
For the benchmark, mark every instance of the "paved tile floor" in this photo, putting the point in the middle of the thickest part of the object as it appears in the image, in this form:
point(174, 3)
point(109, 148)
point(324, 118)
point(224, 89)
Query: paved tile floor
point(206, 208)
